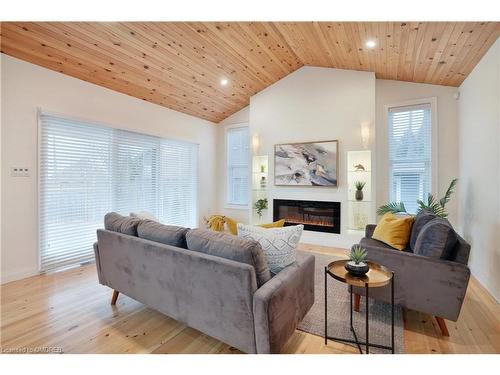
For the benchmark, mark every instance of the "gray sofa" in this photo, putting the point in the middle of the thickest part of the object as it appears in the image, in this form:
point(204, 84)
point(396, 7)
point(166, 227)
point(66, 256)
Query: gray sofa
point(431, 274)
point(214, 282)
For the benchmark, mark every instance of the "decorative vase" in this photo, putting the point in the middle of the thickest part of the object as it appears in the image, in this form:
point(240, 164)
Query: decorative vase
point(359, 269)
point(359, 195)
point(263, 182)
point(262, 168)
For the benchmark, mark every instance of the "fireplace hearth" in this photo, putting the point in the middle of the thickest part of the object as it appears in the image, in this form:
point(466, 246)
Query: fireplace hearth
point(316, 216)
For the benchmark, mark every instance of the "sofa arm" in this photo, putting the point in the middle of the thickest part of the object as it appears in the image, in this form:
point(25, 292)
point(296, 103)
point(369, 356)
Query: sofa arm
point(369, 229)
point(430, 285)
point(281, 303)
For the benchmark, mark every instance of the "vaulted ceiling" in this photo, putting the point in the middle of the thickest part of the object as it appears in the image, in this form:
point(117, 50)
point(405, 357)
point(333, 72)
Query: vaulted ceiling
point(179, 65)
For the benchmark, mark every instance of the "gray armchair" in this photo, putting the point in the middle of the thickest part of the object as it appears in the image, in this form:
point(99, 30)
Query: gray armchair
point(428, 284)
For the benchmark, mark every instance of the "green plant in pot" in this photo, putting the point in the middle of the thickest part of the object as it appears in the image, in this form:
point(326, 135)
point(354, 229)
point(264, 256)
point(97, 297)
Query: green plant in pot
point(359, 190)
point(432, 204)
point(260, 205)
point(357, 265)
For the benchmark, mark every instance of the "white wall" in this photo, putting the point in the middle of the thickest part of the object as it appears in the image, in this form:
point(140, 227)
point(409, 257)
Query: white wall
point(25, 87)
point(314, 104)
point(479, 144)
point(394, 92)
point(239, 118)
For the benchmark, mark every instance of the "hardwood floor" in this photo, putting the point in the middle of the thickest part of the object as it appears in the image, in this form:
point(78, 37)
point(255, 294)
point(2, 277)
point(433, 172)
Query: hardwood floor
point(70, 312)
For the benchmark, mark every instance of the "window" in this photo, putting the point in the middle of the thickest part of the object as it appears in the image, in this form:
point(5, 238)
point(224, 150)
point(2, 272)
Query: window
point(410, 157)
point(89, 170)
point(237, 153)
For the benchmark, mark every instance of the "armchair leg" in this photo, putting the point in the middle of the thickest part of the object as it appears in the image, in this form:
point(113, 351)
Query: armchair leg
point(357, 300)
point(115, 297)
point(442, 325)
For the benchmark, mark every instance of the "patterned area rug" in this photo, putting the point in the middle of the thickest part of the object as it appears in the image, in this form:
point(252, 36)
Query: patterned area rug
point(338, 313)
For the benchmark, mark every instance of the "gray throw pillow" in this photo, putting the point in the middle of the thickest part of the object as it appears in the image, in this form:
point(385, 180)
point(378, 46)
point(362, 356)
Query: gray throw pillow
point(121, 224)
point(437, 239)
point(231, 247)
point(167, 234)
point(421, 219)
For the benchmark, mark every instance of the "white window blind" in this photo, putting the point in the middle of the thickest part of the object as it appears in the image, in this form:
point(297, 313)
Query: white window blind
point(88, 170)
point(237, 154)
point(410, 140)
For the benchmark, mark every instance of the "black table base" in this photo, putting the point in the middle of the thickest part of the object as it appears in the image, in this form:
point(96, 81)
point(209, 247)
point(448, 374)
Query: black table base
point(367, 343)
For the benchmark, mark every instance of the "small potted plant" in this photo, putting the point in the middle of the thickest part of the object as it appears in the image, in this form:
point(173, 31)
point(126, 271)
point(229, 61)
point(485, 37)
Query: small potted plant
point(356, 265)
point(359, 190)
point(260, 205)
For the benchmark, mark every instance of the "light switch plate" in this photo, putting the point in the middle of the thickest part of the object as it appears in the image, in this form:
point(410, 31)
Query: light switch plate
point(19, 171)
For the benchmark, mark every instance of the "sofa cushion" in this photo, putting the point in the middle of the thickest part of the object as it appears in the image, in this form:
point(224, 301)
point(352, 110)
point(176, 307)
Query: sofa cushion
point(394, 230)
point(167, 234)
point(437, 239)
point(279, 244)
point(421, 219)
point(227, 246)
point(121, 224)
point(144, 215)
point(370, 242)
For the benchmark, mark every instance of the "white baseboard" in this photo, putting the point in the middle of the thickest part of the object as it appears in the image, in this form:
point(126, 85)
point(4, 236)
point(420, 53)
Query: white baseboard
point(8, 277)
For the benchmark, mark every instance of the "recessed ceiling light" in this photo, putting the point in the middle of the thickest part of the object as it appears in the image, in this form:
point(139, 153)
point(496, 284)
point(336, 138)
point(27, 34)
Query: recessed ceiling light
point(370, 44)
point(224, 82)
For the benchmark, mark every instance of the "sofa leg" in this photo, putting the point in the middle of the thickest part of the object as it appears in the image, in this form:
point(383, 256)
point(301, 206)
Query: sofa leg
point(442, 325)
point(115, 297)
point(357, 300)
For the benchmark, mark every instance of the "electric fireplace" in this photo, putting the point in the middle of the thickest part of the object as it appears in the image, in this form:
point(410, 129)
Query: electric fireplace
point(316, 216)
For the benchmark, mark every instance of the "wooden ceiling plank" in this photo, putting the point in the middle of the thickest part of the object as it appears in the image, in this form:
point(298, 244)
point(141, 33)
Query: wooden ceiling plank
point(471, 49)
point(51, 61)
point(417, 52)
point(178, 64)
point(52, 37)
point(205, 64)
point(487, 40)
point(241, 73)
point(444, 33)
point(261, 37)
point(240, 44)
point(155, 64)
point(429, 47)
point(291, 32)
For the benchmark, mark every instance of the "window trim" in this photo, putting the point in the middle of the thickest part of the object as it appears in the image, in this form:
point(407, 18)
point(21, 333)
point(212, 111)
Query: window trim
point(434, 137)
point(41, 111)
point(227, 204)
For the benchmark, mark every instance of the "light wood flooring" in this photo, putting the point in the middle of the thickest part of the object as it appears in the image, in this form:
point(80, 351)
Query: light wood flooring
point(70, 312)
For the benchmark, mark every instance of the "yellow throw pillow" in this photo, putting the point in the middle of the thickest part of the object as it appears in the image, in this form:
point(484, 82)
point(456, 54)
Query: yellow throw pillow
point(231, 225)
point(276, 224)
point(394, 230)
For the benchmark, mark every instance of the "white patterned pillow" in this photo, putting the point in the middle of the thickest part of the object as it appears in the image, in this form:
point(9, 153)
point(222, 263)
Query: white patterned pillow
point(279, 244)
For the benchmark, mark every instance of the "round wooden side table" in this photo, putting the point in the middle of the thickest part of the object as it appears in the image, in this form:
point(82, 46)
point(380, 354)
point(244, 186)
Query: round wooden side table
point(377, 276)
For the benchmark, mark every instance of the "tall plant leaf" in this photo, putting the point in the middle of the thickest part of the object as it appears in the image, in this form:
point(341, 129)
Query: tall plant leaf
point(392, 207)
point(449, 192)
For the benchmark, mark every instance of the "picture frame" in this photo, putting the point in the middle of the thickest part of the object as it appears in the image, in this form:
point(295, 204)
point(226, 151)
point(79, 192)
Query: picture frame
point(306, 163)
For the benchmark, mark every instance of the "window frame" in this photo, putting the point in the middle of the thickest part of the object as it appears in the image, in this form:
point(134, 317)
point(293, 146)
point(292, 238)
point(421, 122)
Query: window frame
point(432, 101)
point(41, 111)
point(228, 204)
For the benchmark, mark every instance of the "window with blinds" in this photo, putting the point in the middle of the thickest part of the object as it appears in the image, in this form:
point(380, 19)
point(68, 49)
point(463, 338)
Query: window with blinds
point(88, 170)
point(237, 154)
point(410, 141)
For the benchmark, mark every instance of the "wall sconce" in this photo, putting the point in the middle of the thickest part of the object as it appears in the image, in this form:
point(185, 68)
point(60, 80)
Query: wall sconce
point(365, 134)
point(255, 144)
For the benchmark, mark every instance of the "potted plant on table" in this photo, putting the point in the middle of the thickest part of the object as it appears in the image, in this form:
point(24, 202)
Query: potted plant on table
point(357, 265)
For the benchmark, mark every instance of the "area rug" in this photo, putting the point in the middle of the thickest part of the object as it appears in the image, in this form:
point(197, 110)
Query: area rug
point(338, 313)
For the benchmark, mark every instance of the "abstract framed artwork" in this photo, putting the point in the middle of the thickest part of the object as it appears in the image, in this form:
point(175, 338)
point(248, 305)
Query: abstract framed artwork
point(306, 164)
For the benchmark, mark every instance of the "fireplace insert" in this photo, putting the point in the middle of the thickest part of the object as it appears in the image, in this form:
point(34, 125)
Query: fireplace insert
point(316, 216)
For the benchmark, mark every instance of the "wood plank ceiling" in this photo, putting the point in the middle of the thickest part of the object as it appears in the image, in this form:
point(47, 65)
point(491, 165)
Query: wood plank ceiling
point(179, 65)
